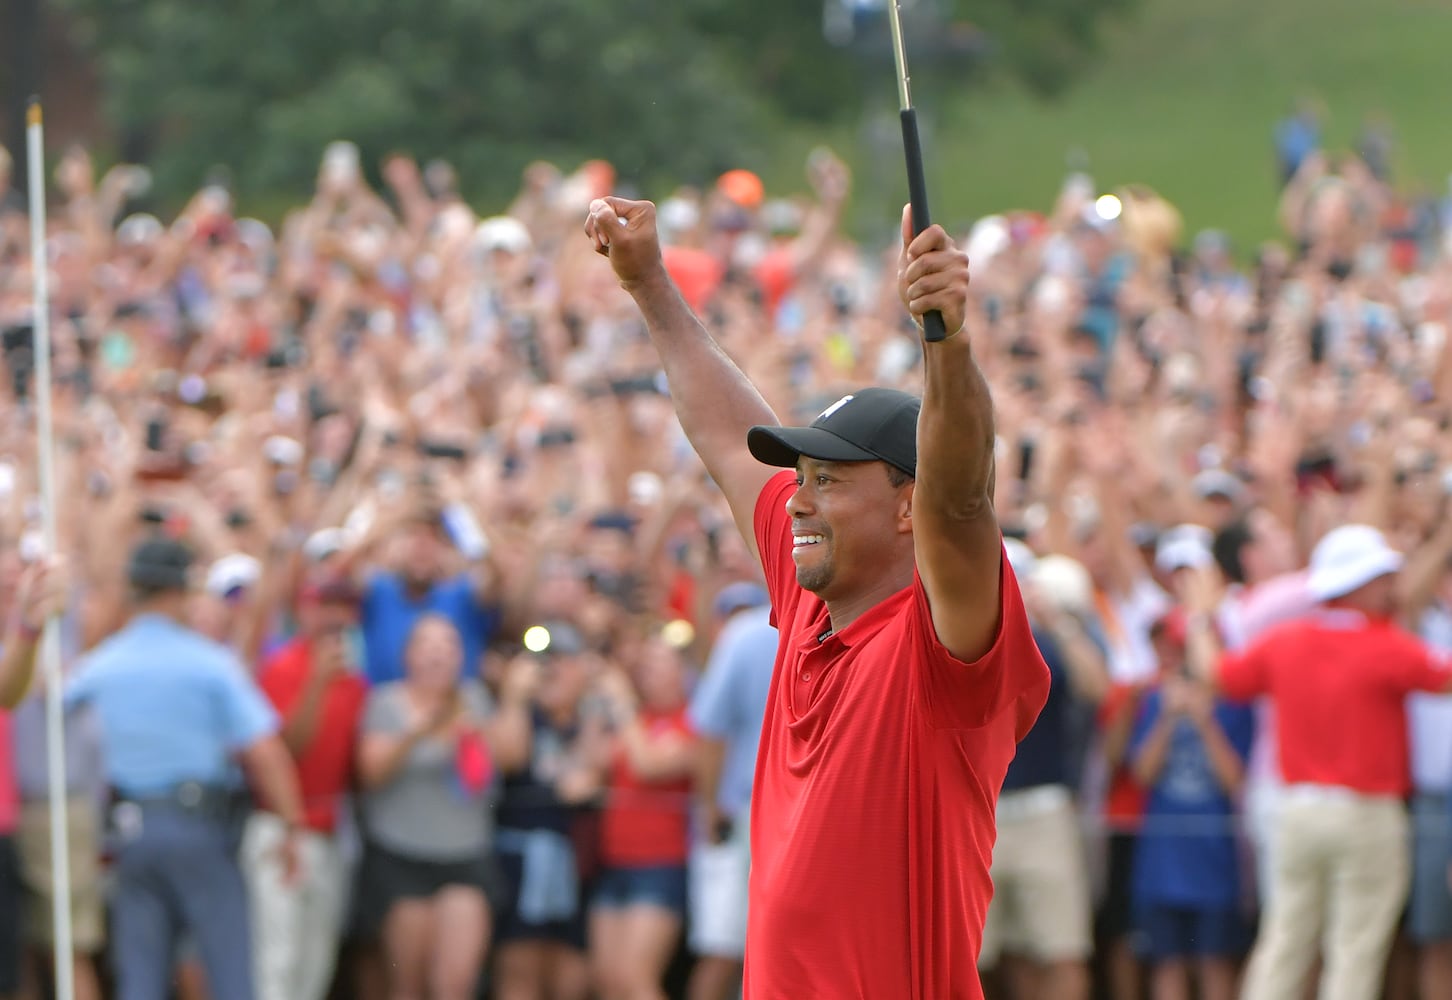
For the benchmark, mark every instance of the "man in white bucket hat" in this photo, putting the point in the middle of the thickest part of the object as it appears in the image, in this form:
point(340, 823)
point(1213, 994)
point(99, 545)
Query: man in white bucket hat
point(1339, 681)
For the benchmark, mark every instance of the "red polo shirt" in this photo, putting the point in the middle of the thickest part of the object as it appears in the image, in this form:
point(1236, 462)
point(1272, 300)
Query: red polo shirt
point(645, 822)
point(325, 768)
point(877, 778)
point(1339, 682)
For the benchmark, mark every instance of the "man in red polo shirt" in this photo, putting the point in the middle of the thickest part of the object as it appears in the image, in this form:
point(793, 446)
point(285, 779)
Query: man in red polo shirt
point(907, 671)
point(318, 691)
point(1338, 680)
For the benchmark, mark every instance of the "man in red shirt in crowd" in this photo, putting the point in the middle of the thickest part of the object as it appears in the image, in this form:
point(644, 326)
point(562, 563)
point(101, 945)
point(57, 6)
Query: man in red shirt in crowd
point(317, 688)
point(1338, 680)
point(907, 671)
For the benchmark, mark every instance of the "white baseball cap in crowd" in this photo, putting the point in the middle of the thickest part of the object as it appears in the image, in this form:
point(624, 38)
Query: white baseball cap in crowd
point(323, 543)
point(139, 229)
point(1185, 546)
point(1348, 558)
point(1065, 582)
point(232, 573)
point(1217, 482)
point(502, 232)
point(989, 237)
point(781, 217)
point(679, 213)
point(282, 450)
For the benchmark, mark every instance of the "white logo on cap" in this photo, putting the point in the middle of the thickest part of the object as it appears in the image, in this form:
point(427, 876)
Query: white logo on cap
point(835, 407)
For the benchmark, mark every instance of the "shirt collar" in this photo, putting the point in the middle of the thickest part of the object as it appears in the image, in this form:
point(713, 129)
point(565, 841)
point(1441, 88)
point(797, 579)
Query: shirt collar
point(151, 621)
point(1346, 619)
point(866, 624)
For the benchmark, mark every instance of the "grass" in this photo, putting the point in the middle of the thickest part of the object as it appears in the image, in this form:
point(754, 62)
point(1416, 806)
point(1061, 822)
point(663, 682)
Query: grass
point(1184, 98)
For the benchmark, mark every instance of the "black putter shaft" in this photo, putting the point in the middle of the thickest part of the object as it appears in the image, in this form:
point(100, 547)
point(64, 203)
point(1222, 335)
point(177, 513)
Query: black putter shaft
point(933, 326)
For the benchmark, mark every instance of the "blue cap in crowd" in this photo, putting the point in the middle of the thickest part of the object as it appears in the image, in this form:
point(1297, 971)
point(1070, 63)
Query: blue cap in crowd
point(736, 597)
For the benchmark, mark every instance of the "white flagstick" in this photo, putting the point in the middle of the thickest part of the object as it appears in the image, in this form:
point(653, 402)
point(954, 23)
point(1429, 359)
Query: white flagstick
point(65, 988)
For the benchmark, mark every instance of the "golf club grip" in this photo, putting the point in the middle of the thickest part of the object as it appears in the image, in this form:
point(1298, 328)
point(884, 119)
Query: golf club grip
point(933, 328)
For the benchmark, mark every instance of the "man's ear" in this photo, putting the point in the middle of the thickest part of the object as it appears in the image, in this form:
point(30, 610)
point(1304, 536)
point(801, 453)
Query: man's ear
point(905, 509)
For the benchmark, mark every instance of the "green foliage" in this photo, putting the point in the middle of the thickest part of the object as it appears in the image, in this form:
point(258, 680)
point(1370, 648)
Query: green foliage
point(1044, 43)
point(262, 85)
point(664, 90)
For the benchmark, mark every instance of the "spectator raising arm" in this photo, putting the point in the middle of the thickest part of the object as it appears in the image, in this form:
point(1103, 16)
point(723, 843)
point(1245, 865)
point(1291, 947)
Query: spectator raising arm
point(511, 731)
point(1200, 592)
point(42, 592)
point(330, 660)
point(1418, 581)
point(1189, 700)
point(955, 532)
point(715, 402)
point(652, 757)
point(1149, 763)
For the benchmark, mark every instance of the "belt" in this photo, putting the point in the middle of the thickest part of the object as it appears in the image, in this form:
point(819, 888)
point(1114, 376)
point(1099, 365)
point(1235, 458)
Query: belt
point(1308, 792)
point(1026, 803)
point(193, 798)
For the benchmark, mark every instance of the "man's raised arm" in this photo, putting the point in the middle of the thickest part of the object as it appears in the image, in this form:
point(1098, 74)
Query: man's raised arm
point(955, 533)
point(716, 403)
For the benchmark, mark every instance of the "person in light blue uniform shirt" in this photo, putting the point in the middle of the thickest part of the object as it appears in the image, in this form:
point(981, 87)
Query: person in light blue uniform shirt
point(177, 713)
point(726, 712)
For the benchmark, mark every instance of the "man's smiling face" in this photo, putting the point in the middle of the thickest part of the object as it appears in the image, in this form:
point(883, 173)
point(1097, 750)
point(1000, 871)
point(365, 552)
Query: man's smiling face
point(846, 519)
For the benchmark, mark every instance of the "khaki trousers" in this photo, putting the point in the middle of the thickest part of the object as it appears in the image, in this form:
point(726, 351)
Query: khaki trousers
point(1341, 875)
point(296, 925)
point(1041, 908)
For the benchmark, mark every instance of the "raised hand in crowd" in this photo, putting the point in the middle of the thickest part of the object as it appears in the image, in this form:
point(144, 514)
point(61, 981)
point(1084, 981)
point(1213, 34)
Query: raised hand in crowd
point(40, 596)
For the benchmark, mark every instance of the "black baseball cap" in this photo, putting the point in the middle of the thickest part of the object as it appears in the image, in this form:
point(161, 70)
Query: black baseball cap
point(160, 564)
point(869, 425)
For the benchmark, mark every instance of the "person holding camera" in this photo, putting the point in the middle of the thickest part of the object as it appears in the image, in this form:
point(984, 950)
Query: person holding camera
point(1189, 751)
point(315, 684)
point(638, 906)
point(546, 814)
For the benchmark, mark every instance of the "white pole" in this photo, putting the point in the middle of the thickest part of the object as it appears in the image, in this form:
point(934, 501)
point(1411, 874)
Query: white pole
point(65, 988)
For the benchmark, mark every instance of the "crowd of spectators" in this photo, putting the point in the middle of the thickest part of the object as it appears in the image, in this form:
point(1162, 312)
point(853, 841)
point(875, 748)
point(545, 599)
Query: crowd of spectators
point(438, 508)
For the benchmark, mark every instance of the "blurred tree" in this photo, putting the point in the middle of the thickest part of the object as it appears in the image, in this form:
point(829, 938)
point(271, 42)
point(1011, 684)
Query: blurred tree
point(1041, 44)
point(261, 86)
point(663, 90)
